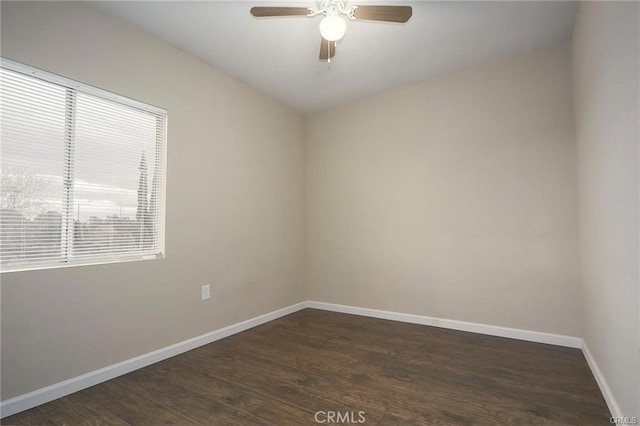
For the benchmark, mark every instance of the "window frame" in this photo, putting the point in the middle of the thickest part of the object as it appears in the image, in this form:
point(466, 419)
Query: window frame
point(76, 86)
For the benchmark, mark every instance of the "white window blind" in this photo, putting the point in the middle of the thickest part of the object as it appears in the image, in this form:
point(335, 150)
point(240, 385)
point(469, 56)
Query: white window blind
point(83, 173)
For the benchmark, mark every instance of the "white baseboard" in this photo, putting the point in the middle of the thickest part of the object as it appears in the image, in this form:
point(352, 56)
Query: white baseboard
point(58, 390)
point(602, 383)
point(492, 330)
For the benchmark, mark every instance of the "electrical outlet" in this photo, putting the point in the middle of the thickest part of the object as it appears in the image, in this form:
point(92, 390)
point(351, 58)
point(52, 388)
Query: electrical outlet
point(206, 292)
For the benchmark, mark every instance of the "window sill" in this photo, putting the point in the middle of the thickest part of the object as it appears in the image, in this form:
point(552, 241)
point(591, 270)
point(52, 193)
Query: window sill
point(5, 269)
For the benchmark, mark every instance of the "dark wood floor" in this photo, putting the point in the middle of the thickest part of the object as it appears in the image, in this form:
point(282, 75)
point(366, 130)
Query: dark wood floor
point(313, 361)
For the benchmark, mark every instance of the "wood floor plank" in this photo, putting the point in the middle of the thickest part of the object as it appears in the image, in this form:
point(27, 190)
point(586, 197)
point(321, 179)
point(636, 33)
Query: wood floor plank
point(187, 370)
point(400, 382)
point(376, 334)
point(554, 385)
point(279, 382)
point(199, 380)
point(78, 409)
point(133, 408)
point(180, 399)
point(286, 371)
point(29, 417)
point(568, 378)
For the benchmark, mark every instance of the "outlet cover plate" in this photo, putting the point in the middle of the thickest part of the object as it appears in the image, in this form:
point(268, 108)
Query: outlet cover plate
point(206, 292)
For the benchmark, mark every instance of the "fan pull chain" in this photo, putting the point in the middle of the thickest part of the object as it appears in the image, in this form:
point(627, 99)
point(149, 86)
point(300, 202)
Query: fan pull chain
point(328, 52)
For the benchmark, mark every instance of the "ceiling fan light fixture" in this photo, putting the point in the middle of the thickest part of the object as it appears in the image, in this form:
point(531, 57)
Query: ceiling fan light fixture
point(333, 27)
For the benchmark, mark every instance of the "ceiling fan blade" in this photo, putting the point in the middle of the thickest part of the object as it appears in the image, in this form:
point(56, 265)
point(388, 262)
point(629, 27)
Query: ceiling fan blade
point(263, 12)
point(325, 46)
point(384, 13)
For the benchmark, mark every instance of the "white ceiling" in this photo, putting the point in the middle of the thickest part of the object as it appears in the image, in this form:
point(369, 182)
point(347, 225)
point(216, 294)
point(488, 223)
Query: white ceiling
point(279, 56)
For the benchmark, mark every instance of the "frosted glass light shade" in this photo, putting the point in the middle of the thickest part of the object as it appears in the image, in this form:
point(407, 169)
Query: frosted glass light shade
point(333, 27)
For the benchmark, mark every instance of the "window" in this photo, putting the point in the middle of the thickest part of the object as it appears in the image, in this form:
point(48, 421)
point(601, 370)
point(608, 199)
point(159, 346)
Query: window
point(82, 173)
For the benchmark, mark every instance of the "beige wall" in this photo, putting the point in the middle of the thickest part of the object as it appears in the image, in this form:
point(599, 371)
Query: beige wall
point(453, 198)
point(606, 46)
point(234, 213)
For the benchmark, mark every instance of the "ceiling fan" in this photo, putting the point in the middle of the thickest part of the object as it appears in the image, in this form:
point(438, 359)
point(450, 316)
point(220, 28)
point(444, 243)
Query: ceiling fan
point(333, 25)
